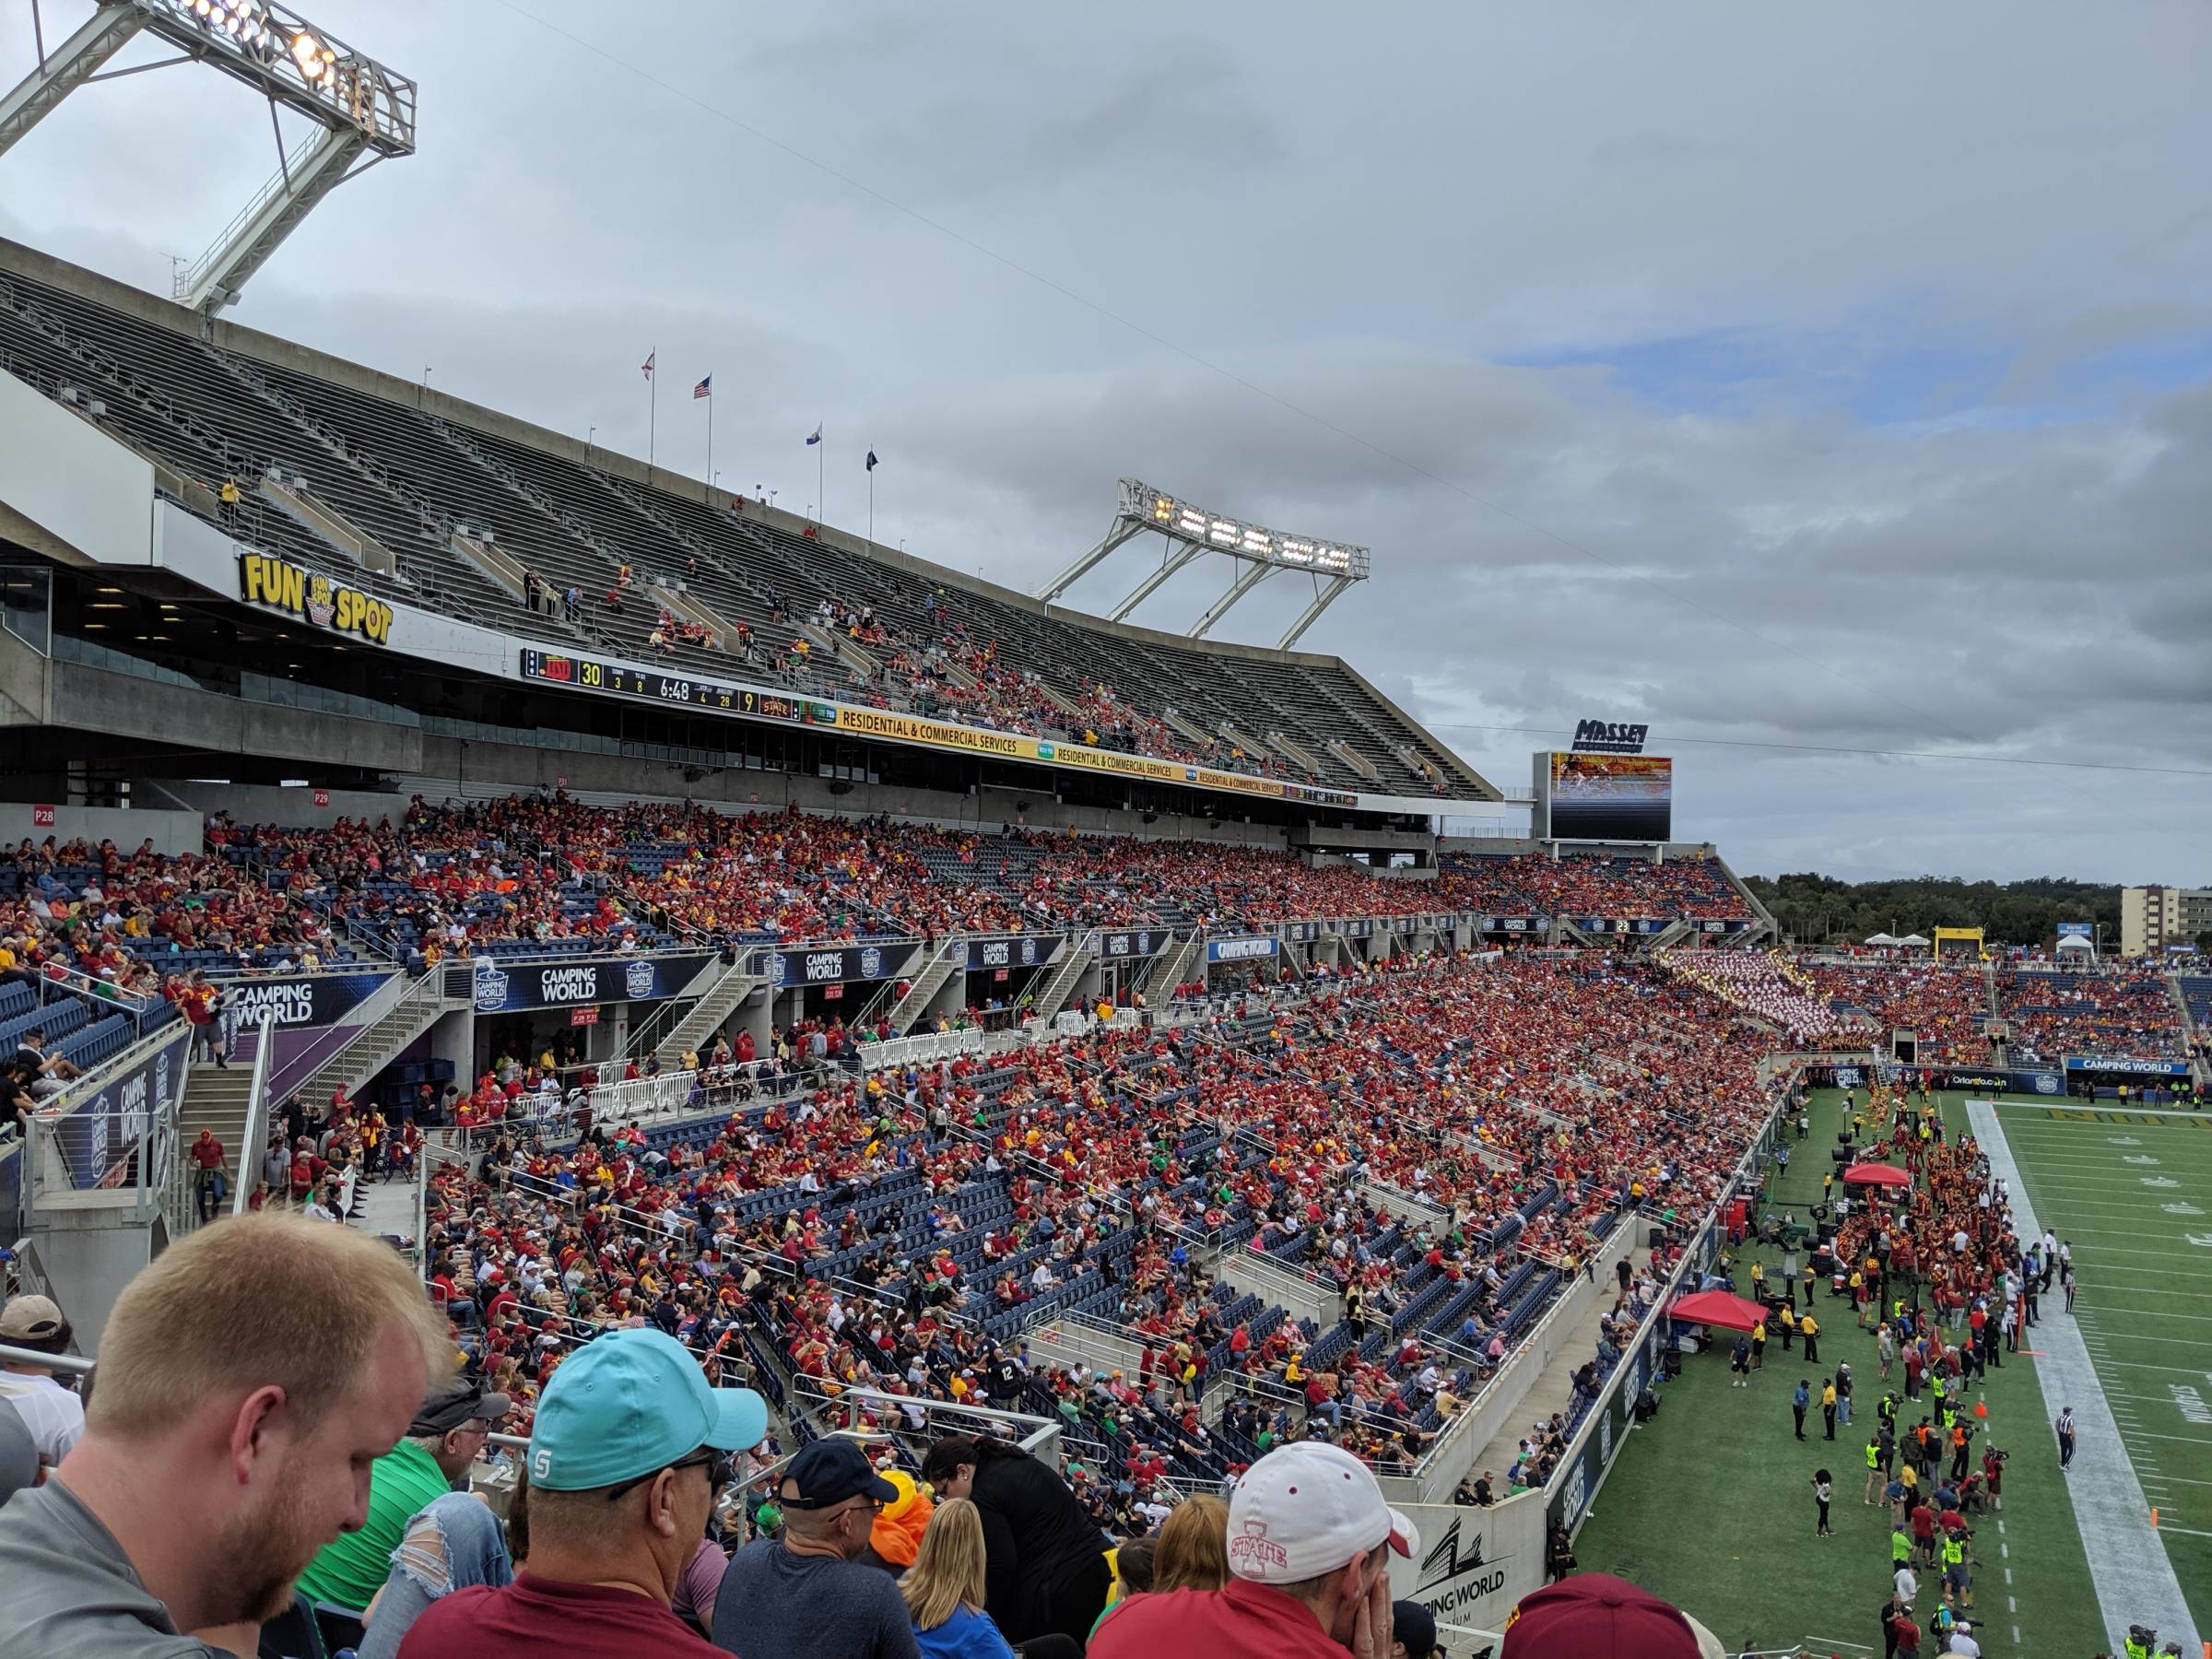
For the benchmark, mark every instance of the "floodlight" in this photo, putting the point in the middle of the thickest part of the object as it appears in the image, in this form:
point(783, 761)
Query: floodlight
point(1194, 532)
point(365, 111)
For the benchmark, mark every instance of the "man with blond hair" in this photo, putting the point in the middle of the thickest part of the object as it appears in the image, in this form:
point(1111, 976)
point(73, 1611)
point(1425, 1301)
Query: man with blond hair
point(248, 1380)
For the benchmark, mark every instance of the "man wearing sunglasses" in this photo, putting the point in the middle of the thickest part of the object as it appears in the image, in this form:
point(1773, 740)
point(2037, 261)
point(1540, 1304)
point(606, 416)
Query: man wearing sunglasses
point(804, 1596)
point(629, 1449)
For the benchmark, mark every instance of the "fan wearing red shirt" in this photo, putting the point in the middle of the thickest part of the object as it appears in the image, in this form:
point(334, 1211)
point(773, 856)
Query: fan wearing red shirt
point(626, 1450)
point(1309, 1539)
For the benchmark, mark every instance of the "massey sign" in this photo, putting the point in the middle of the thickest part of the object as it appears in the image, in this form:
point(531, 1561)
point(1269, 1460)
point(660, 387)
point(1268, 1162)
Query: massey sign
point(1609, 738)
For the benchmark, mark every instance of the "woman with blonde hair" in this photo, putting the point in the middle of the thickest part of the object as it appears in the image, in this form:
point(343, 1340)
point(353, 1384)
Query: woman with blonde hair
point(943, 1588)
point(1193, 1546)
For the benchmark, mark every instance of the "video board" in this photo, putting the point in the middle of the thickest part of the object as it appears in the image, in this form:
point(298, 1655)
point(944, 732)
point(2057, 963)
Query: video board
point(1606, 797)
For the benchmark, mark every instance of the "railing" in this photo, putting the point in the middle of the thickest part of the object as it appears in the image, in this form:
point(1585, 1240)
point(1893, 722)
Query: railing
point(256, 1130)
point(925, 1048)
point(96, 990)
point(372, 1016)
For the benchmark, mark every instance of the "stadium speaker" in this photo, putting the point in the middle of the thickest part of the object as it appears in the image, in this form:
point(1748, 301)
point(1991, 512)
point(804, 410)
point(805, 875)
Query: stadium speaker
point(840, 786)
point(1151, 817)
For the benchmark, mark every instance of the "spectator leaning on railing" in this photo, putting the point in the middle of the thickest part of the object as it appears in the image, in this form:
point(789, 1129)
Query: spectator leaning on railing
point(248, 1378)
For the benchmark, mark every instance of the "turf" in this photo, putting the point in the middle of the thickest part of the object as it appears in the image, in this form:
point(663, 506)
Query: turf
point(1711, 1505)
point(2132, 1191)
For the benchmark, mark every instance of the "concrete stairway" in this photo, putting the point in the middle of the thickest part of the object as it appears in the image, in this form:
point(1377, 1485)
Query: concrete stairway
point(1061, 981)
point(217, 1100)
point(1172, 967)
point(416, 1010)
point(951, 958)
point(696, 1029)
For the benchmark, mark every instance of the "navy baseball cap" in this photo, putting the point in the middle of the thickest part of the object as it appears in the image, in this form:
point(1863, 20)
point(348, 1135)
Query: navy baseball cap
point(628, 1404)
point(831, 1470)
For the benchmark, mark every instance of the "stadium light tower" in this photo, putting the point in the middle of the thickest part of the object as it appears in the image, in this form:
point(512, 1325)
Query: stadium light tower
point(359, 108)
point(1190, 532)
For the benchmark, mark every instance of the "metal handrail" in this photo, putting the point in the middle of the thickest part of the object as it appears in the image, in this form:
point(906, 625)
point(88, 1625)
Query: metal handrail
point(257, 1114)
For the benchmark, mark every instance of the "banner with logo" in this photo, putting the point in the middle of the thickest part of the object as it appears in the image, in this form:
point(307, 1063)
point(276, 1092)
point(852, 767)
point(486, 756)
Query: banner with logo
point(97, 1135)
point(1022, 950)
point(1474, 1565)
point(836, 965)
point(318, 999)
point(1241, 949)
point(1142, 942)
point(2134, 1069)
point(498, 987)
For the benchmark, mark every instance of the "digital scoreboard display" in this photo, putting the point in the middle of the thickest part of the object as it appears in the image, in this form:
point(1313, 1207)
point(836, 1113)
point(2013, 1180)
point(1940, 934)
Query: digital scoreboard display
point(1606, 798)
point(591, 673)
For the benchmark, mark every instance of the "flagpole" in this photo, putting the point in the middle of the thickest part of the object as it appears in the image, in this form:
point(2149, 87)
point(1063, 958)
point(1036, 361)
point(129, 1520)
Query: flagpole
point(821, 471)
point(871, 504)
point(653, 406)
point(710, 437)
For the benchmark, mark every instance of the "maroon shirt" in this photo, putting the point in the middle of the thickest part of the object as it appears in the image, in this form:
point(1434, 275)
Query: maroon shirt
point(546, 1618)
point(1243, 1620)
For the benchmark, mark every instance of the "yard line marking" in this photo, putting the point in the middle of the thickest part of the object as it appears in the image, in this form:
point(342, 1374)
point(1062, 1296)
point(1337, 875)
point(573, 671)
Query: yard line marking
point(2179, 1371)
point(2109, 1115)
point(2180, 1341)
point(2192, 1531)
point(2133, 1578)
point(2187, 1439)
point(2141, 1312)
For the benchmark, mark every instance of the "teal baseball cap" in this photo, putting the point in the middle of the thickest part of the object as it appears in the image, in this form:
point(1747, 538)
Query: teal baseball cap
point(630, 1403)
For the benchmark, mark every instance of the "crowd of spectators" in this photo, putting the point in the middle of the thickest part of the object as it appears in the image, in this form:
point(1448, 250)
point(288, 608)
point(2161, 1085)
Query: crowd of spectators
point(2124, 1013)
point(1536, 884)
point(956, 676)
point(894, 1235)
point(1945, 1004)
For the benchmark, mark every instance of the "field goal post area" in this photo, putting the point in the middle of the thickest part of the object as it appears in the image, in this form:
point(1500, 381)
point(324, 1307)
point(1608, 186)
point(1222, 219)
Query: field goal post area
point(1976, 949)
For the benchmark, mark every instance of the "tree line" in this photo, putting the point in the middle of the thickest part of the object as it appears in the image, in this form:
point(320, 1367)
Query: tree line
point(1811, 906)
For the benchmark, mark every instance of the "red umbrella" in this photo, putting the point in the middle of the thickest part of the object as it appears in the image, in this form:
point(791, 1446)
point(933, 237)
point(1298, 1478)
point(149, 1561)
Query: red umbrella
point(1876, 1174)
point(1717, 1308)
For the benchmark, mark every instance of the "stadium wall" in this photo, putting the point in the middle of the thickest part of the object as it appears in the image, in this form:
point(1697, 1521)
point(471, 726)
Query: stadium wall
point(172, 832)
point(72, 492)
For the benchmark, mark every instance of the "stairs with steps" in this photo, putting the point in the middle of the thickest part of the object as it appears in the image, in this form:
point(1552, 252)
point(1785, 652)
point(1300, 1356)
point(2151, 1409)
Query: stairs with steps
point(696, 1029)
point(217, 1100)
point(951, 957)
point(1061, 981)
point(416, 1011)
point(1172, 967)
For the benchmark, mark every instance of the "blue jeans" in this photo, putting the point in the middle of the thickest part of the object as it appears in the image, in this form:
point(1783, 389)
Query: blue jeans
point(453, 1542)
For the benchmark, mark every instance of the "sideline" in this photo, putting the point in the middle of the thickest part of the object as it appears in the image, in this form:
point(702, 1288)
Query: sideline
point(2127, 1561)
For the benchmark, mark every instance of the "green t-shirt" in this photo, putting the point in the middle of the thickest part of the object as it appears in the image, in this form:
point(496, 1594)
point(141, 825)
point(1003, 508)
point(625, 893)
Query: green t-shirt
point(353, 1566)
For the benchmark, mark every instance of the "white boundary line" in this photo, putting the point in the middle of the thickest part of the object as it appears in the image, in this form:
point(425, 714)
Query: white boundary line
point(2127, 1563)
point(2124, 1111)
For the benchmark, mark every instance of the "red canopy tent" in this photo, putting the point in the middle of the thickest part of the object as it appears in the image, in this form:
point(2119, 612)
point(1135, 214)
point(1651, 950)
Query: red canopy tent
point(1722, 1308)
point(1876, 1174)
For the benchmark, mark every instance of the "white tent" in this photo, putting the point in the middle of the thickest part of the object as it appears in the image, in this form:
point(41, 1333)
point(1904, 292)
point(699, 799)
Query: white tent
point(1881, 939)
point(2075, 942)
point(1910, 939)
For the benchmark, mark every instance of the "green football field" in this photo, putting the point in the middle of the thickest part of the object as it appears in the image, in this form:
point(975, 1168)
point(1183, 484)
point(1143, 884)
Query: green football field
point(1711, 1505)
point(2132, 1191)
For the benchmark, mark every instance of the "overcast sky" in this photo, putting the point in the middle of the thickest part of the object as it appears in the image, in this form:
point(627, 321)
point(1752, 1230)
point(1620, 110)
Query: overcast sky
point(1778, 376)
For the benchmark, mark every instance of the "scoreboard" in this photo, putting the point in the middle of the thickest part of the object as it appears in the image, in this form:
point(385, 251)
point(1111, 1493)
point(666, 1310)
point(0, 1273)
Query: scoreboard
point(592, 674)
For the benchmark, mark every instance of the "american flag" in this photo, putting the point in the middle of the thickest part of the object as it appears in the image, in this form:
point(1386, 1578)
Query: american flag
point(704, 388)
